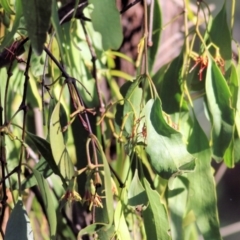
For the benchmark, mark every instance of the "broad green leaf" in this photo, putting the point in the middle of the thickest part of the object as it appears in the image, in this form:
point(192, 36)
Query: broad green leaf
point(48, 202)
point(18, 226)
point(221, 112)
point(171, 92)
point(105, 12)
point(136, 192)
point(202, 187)
point(6, 6)
point(222, 41)
point(8, 37)
point(177, 205)
point(37, 15)
point(121, 227)
point(165, 146)
point(155, 216)
point(157, 25)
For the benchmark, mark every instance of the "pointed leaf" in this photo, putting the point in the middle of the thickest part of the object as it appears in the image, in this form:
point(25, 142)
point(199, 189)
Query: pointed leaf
point(136, 192)
point(8, 37)
point(221, 112)
point(18, 226)
point(37, 16)
point(171, 92)
point(202, 187)
point(155, 216)
point(165, 146)
point(48, 202)
point(105, 12)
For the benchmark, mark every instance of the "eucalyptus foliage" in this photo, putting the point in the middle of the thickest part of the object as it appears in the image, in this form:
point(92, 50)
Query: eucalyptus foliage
point(135, 159)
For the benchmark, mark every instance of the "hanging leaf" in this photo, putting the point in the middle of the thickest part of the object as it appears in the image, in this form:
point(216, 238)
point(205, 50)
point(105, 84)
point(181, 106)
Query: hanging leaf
point(48, 202)
point(155, 216)
point(45, 149)
point(136, 192)
point(19, 226)
point(165, 146)
point(121, 227)
point(59, 151)
point(156, 34)
point(221, 36)
point(37, 15)
point(8, 37)
point(202, 187)
point(106, 20)
point(171, 92)
point(221, 112)
point(6, 6)
point(177, 205)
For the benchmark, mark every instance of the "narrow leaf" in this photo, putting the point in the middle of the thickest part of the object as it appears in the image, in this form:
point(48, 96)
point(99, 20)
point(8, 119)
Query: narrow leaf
point(48, 202)
point(37, 16)
point(18, 226)
point(221, 112)
point(155, 216)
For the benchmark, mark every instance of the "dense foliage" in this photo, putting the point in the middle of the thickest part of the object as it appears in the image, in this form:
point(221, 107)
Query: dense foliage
point(81, 156)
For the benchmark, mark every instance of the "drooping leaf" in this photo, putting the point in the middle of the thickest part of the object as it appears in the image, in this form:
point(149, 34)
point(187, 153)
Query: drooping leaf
point(106, 20)
point(222, 41)
point(37, 15)
point(90, 229)
point(157, 24)
point(136, 192)
point(171, 92)
point(221, 112)
point(165, 146)
point(48, 202)
point(121, 227)
point(59, 151)
point(155, 216)
point(8, 37)
point(201, 185)
point(45, 149)
point(18, 226)
point(6, 6)
point(177, 205)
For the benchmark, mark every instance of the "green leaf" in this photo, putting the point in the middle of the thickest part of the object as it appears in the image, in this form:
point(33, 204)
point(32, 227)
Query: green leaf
point(157, 25)
point(8, 37)
point(221, 112)
point(177, 204)
point(18, 226)
point(155, 216)
point(45, 149)
point(203, 200)
point(171, 92)
point(37, 15)
point(105, 12)
point(165, 146)
point(59, 151)
point(121, 227)
point(6, 6)
point(222, 41)
point(136, 192)
point(91, 229)
point(48, 202)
